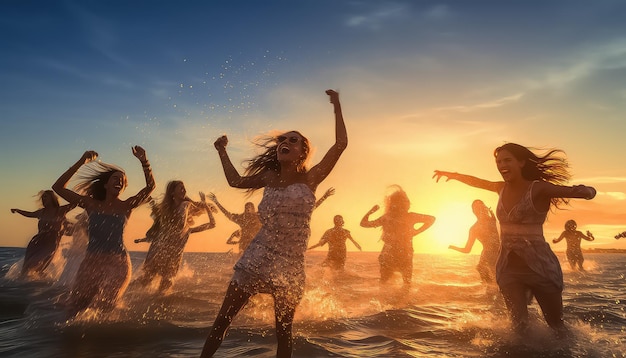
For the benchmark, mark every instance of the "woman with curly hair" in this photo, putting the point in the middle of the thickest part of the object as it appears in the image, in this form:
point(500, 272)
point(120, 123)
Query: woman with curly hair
point(106, 269)
point(398, 230)
point(531, 185)
point(274, 261)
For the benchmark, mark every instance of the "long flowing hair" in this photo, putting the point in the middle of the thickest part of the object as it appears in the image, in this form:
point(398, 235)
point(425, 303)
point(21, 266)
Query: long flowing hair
point(397, 201)
point(267, 159)
point(92, 178)
point(550, 166)
point(51, 194)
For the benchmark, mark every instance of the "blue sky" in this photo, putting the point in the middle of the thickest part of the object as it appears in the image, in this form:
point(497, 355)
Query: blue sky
point(425, 85)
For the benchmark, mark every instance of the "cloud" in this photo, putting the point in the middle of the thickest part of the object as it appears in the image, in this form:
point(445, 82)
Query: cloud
point(374, 20)
point(602, 180)
point(617, 195)
point(498, 102)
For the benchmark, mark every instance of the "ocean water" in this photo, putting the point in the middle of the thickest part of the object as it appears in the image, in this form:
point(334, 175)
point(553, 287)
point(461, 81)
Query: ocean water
point(446, 313)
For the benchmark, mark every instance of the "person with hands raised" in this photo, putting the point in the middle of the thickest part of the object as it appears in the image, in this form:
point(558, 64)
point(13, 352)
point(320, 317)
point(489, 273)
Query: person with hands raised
point(398, 230)
point(573, 239)
point(274, 261)
point(105, 271)
point(532, 184)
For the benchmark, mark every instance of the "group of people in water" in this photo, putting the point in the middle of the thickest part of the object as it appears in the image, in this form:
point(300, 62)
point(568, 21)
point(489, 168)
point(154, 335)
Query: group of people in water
point(273, 240)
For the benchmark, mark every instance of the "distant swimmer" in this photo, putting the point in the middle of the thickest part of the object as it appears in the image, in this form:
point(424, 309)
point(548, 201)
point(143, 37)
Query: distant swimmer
point(51, 225)
point(485, 231)
point(398, 230)
point(336, 240)
point(573, 239)
point(620, 235)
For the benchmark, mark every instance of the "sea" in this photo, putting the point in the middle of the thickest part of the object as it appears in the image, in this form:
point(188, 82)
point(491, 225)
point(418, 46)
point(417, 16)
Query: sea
point(447, 312)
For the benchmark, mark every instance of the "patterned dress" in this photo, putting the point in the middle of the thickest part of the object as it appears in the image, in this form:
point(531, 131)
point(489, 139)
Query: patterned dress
point(521, 233)
point(274, 261)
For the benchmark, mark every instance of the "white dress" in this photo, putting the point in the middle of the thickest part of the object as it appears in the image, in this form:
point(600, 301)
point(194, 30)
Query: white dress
point(274, 261)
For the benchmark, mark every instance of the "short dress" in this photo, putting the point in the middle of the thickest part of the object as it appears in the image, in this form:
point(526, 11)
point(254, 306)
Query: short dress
point(43, 245)
point(274, 261)
point(521, 233)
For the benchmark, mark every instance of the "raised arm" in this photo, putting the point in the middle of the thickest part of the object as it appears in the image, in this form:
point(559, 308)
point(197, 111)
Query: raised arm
point(588, 237)
point(469, 180)
point(320, 171)
point(231, 238)
point(365, 221)
point(226, 213)
point(143, 195)
point(209, 212)
point(233, 177)
point(28, 214)
point(329, 192)
point(60, 185)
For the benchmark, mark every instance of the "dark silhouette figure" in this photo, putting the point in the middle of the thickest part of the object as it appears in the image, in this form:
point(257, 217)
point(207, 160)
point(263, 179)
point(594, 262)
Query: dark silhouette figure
point(274, 261)
point(248, 222)
point(51, 225)
point(486, 232)
point(531, 185)
point(620, 235)
point(398, 230)
point(573, 238)
point(336, 240)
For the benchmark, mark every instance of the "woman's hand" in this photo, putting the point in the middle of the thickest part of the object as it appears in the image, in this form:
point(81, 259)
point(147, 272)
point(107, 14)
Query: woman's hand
point(334, 96)
point(221, 143)
point(139, 153)
point(374, 209)
point(439, 174)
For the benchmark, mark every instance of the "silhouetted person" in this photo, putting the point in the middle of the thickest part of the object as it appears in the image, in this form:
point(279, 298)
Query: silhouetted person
point(486, 232)
point(572, 238)
point(248, 222)
point(398, 230)
point(336, 240)
point(51, 225)
point(620, 235)
point(175, 216)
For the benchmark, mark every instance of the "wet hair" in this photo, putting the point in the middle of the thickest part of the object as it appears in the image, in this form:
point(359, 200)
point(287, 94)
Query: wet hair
point(268, 157)
point(53, 197)
point(93, 176)
point(397, 201)
point(570, 224)
point(551, 167)
point(167, 208)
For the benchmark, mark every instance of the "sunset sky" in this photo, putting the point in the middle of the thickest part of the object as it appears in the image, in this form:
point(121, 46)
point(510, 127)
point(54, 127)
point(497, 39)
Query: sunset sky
point(424, 85)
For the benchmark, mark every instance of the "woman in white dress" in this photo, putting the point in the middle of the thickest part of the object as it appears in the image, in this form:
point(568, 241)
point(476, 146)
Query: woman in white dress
point(274, 261)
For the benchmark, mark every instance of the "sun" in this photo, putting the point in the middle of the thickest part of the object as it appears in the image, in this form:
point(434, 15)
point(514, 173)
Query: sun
point(453, 221)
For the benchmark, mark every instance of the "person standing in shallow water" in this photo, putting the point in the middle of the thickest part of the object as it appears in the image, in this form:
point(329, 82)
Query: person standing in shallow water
point(51, 226)
point(484, 230)
point(531, 185)
point(336, 240)
point(274, 261)
point(248, 222)
point(105, 271)
point(175, 214)
point(398, 226)
point(573, 238)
